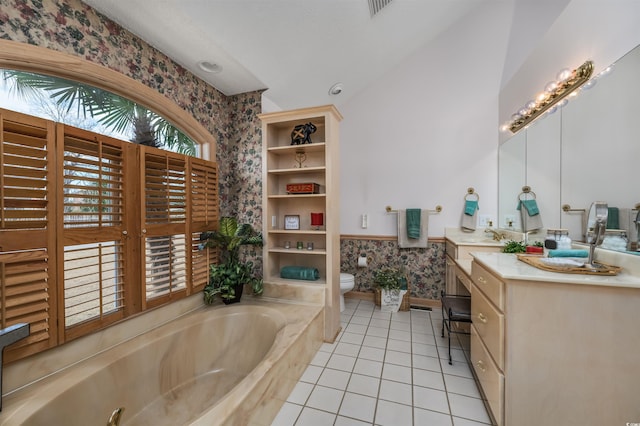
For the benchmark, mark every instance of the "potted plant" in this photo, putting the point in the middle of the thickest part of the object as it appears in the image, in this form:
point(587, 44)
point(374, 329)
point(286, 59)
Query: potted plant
point(389, 279)
point(228, 277)
point(389, 282)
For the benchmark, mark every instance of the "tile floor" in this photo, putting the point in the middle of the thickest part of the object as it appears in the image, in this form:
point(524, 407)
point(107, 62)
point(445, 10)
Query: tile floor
point(386, 369)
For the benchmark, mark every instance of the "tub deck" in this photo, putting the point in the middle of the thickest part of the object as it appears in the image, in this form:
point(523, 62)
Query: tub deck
point(179, 383)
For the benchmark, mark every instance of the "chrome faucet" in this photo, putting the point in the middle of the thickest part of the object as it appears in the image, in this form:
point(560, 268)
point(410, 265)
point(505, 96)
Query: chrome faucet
point(8, 336)
point(637, 222)
point(497, 236)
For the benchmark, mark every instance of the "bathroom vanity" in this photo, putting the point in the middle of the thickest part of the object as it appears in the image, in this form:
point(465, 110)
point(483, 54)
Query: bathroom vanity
point(458, 247)
point(552, 348)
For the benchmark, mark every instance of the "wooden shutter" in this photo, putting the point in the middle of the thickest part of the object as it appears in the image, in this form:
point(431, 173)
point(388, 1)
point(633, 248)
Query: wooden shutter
point(164, 207)
point(204, 216)
point(93, 228)
point(27, 255)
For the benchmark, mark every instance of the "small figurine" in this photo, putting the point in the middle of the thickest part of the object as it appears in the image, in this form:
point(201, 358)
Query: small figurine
point(301, 134)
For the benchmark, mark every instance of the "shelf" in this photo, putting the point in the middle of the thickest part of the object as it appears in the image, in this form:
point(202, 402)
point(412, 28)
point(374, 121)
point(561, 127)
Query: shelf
point(288, 196)
point(297, 231)
point(278, 280)
point(295, 170)
point(291, 149)
point(294, 250)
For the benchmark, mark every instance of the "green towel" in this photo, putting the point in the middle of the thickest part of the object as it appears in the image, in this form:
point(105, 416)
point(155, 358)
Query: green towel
point(613, 218)
point(530, 205)
point(568, 253)
point(413, 223)
point(299, 273)
point(470, 207)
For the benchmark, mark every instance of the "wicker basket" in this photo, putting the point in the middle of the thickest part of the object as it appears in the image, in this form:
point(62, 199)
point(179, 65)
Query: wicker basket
point(404, 305)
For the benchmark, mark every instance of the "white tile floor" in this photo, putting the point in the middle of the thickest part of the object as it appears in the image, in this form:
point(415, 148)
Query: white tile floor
point(386, 369)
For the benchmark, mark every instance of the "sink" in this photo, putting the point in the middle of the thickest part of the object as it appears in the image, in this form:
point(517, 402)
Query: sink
point(479, 240)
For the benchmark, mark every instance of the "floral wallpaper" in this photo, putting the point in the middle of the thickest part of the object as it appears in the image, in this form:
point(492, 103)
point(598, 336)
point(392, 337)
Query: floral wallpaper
point(73, 27)
point(425, 266)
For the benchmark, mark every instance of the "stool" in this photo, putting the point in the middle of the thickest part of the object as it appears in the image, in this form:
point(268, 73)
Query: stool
point(458, 309)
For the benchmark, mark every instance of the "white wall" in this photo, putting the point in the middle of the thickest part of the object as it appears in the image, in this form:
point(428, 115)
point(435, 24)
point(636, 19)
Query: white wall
point(426, 131)
point(599, 30)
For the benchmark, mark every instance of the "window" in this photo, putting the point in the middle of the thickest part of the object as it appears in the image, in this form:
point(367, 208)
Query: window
point(94, 229)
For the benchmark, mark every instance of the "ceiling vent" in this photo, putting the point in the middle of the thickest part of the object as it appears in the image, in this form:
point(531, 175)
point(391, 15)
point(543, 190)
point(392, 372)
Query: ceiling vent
point(376, 6)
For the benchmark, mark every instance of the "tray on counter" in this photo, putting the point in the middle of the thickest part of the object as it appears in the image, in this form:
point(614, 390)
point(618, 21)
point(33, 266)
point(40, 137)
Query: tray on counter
point(536, 262)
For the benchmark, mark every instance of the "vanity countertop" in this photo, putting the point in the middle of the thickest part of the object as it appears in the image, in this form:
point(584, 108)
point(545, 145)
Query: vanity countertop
point(508, 267)
point(476, 238)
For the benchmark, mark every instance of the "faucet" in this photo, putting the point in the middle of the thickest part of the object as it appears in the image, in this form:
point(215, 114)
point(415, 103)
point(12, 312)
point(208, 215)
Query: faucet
point(114, 419)
point(637, 222)
point(595, 237)
point(8, 336)
point(497, 236)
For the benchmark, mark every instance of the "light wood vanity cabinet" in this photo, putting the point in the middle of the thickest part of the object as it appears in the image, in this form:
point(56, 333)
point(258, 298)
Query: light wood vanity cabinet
point(555, 349)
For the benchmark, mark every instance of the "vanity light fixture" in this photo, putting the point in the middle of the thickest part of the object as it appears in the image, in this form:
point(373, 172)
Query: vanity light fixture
point(554, 92)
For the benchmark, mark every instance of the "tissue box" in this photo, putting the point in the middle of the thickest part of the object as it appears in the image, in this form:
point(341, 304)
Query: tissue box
point(303, 188)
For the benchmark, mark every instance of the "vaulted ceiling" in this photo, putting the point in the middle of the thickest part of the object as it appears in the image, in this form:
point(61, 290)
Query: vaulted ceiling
point(297, 49)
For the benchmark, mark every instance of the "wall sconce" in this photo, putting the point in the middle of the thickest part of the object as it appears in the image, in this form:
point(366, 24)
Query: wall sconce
point(566, 84)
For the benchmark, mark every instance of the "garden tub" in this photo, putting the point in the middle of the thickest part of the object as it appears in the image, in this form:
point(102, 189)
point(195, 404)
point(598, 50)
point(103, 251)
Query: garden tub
point(226, 365)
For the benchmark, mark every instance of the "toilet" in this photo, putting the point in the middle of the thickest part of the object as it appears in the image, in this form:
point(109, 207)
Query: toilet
point(347, 281)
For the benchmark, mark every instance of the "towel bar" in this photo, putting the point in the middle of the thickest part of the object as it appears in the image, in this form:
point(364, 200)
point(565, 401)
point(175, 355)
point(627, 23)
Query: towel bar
point(438, 209)
point(567, 208)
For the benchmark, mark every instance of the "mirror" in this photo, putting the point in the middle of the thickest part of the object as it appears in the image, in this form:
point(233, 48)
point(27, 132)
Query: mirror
point(587, 150)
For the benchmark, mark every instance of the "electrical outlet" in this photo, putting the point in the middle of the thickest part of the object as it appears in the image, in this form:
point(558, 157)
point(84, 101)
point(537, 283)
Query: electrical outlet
point(509, 220)
point(483, 220)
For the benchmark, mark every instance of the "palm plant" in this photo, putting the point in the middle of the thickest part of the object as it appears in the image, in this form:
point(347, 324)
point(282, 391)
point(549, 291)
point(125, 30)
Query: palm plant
point(228, 277)
point(114, 112)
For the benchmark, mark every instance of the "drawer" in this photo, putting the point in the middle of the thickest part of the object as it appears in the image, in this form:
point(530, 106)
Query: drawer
point(489, 324)
point(451, 249)
point(488, 284)
point(490, 378)
point(463, 278)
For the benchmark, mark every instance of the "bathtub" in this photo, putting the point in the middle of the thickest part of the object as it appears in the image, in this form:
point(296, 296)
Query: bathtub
point(224, 365)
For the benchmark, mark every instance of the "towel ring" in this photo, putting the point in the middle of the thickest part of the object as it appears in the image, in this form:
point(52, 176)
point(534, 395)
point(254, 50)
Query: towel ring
point(525, 193)
point(466, 197)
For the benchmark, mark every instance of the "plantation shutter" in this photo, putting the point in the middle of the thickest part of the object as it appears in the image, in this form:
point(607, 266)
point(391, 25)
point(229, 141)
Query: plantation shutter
point(94, 243)
point(164, 229)
point(203, 217)
point(27, 255)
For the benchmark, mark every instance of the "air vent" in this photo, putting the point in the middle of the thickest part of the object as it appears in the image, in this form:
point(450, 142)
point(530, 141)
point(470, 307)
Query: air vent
point(376, 6)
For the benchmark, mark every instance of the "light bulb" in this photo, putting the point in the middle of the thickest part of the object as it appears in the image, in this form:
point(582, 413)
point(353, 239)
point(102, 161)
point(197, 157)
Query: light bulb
point(564, 74)
point(531, 105)
point(550, 86)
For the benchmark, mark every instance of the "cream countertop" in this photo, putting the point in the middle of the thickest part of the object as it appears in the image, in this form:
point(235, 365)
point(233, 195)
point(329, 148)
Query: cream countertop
point(508, 267)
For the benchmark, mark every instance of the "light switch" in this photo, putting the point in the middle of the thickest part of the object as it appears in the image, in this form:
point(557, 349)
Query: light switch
point(365, 221)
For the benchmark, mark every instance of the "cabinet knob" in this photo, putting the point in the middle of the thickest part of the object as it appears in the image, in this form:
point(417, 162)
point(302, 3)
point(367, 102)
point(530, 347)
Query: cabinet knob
point(481, 366)
point(482, 280)
point(482, 317)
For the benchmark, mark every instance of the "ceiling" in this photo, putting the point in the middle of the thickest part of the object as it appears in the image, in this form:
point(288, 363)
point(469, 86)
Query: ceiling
point(297, 49)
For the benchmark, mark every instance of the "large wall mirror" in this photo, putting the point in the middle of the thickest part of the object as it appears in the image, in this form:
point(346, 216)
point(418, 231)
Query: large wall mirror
point(587, 151)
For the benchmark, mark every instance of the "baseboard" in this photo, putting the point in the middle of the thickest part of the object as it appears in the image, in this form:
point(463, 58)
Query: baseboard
point(413, 301)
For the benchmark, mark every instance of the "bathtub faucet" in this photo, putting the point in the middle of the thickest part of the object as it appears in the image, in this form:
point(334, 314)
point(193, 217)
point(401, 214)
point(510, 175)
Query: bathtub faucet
point(114, 420)
point(8, 336)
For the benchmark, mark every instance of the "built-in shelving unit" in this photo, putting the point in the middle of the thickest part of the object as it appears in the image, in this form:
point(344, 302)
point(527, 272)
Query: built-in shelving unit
point(317, 163)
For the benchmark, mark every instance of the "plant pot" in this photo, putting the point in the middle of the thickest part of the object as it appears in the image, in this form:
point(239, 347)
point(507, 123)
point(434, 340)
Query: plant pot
point(238, 294)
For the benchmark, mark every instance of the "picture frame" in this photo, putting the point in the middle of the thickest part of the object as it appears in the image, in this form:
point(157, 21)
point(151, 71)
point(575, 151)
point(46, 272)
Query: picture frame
point(291, 222)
